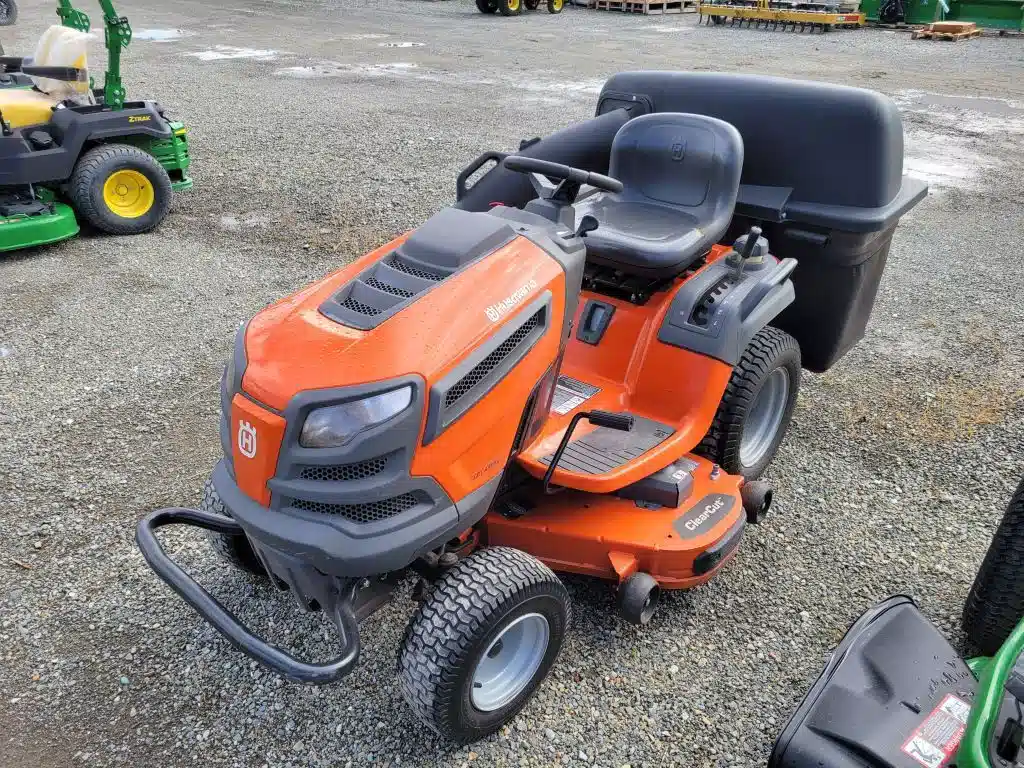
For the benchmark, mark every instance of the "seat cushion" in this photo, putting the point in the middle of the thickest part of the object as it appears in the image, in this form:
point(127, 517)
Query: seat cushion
point(650, 239)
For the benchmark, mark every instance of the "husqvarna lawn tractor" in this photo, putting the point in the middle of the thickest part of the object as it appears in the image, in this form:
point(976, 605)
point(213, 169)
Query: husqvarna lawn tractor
point(896, 695)
point(68, 149)
point(580, 367)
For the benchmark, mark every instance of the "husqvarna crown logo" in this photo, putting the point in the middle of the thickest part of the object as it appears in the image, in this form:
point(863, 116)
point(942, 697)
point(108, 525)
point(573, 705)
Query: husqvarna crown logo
point(246, 439)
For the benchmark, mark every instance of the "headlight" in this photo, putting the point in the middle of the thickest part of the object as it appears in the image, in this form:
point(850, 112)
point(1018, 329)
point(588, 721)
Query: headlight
point(333, 425)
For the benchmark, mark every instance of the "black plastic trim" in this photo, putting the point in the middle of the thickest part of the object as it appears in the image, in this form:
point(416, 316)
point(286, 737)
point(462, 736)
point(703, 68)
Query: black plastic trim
point(439, 417)
point(717, 552)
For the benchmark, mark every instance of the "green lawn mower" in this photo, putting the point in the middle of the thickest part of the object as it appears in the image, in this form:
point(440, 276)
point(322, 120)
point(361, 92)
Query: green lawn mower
point(896, 695)
point(69, 151)
point(515, 7)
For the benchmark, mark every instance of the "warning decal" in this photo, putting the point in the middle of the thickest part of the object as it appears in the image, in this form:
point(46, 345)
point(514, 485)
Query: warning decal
point(935, 740)
point(570, 394)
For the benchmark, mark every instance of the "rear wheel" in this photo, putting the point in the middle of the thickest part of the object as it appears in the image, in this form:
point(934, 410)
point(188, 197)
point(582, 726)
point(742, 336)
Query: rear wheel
point(480, 644)
point(757, 405)
point(120, 189)
point(234, 549)
point(996, 601)
point(555, 6)
point(510, 7)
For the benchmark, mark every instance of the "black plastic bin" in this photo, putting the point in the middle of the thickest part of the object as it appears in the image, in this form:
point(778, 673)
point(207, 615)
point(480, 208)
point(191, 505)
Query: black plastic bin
point(822, 175)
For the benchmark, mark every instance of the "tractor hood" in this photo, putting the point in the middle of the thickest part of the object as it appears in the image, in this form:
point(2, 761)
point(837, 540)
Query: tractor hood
point(311, 340)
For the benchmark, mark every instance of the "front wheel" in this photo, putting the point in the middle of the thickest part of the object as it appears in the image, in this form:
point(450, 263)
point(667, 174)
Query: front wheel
point(996, 601)
point(235, 550)
point(555, 6)
point(120, 189)
point(510, 7)
point(757, 405)
point(480, 644)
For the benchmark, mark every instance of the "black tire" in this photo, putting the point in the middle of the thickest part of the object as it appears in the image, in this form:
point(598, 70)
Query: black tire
point(468, 608)
point(8, 12)
point(555, 6)
point(638, 598)
point(95, 167)
point(510, 7)
point(234, 549)
point(486, 6)
point(718, 20)
point(995, 603)
point(769, 350)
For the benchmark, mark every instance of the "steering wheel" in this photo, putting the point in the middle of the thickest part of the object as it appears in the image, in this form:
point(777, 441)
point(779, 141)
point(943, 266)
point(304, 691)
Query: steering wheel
point(571, 178)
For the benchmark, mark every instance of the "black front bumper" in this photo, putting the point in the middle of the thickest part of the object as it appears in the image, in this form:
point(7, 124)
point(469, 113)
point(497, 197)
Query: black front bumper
point(289, 540)
point(338, 603)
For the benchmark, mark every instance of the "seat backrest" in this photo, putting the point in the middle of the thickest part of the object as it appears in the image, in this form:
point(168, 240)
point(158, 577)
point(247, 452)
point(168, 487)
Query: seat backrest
point(680, 160)
point(62, 46)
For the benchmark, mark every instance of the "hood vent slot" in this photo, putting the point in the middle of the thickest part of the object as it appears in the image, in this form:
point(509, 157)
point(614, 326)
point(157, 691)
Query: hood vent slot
point(447, 242)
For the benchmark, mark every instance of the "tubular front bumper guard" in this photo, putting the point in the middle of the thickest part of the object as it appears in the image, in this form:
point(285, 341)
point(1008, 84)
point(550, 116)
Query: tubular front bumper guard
point(206, 605)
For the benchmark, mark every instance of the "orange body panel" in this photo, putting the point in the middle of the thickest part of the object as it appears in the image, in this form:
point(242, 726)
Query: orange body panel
point(639, 374)
point(256, 442)
point(609, 537)
point(291, 348)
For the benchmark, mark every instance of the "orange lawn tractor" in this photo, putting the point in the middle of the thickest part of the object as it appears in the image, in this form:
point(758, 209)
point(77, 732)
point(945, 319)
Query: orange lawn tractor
point(581, 367)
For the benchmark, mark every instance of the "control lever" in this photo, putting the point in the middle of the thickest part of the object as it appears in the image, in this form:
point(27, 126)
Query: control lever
point(587, 224)
point(749, 247)
point(620, 421)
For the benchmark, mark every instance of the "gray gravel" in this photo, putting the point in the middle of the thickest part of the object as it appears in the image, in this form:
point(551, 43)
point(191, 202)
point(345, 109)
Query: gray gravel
point(893, 478)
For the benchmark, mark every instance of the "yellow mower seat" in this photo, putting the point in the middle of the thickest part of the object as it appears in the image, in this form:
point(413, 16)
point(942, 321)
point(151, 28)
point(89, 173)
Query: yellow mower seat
point(58, 47)
point(23, 106)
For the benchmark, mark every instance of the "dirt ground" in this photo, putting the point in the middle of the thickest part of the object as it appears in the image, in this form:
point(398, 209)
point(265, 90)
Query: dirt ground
point(320, 129)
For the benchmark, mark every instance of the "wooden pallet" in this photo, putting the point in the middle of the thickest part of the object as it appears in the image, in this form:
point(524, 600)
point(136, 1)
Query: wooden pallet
point(948, 30)
point(647, 7)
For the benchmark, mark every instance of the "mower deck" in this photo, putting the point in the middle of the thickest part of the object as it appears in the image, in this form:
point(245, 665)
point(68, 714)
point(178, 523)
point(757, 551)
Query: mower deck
point(611, 537)
point(51, 223)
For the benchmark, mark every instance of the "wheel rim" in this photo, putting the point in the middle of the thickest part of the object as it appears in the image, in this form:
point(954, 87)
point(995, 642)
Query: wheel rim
point(513, 5)
point(510, 662)
point(556, 4)
point(128, 193)
point(764, 418)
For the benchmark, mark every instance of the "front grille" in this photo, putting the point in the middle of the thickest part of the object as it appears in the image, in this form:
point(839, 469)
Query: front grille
point(345, 472)
point(492, 361)
point(361, 513)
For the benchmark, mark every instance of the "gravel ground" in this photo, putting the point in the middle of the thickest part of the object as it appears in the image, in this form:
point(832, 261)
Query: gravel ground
point(318, 130)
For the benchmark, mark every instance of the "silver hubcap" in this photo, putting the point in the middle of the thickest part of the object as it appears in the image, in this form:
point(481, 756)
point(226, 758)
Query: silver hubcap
point(510, 662)
point(764, 418)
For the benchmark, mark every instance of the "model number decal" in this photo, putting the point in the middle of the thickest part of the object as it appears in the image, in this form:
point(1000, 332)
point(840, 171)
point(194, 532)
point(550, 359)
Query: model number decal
point(138, 118)
point(498, 309)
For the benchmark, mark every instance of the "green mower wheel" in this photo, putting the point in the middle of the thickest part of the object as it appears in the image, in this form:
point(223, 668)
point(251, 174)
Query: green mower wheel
point(120, 189)
point(486, 6)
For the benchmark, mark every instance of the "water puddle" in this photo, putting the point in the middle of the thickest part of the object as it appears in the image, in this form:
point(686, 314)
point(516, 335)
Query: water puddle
point(160, 35)
point(226, 52)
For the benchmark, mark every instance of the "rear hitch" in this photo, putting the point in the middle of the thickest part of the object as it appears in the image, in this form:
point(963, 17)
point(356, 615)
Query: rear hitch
point(757, 500)
point(340, 609)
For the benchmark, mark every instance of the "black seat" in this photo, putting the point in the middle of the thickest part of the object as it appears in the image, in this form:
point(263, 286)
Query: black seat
point(681, 175)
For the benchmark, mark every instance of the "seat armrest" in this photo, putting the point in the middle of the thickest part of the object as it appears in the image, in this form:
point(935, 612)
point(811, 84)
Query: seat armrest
point(66, 74)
